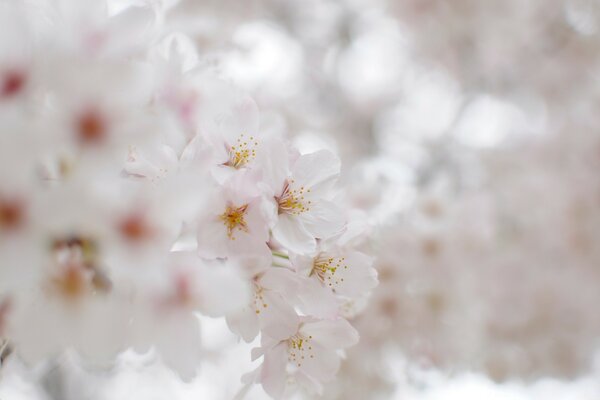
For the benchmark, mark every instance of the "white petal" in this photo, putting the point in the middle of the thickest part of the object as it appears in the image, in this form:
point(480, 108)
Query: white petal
point(303, 264)
point(323, 366)
point(312, 385)
point(243, 118)
point(252, 243)
point(317, 300)
point(292, 235)
point(333, 334)
point(273, 374)
point(212, 238)
point(355, 275)
point(324, 219)
point(281, 280)
point(278, 319)
point(316, 168)
point(244, 323)
point(275, 168)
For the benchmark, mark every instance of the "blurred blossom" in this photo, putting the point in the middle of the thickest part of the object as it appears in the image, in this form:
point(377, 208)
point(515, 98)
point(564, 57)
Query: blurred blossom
point(177, 175)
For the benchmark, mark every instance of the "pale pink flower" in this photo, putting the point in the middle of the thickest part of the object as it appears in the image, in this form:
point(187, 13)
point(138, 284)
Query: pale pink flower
point(270, 312)
point(310, 356)
point(232, 223)
point(303, 195)
point(164, 317)
point(229, 121)
point(333, 272)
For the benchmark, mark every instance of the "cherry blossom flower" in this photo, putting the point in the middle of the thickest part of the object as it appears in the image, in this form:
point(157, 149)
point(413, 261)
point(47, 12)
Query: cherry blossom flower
point(330, 273)
point(271, 311)
point(305, 208)
point(310, 356)
point(233, 222)
point(138, 192)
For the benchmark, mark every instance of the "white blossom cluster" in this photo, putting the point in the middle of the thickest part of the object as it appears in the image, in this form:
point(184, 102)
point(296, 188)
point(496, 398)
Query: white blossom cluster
point(137, 190)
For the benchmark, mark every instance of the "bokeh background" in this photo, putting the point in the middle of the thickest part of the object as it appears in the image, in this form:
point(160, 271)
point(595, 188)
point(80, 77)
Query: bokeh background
point(470, 136)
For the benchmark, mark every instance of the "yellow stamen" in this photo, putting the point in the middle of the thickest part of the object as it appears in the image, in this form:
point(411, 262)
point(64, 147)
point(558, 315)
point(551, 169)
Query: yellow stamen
point(298, 348)
point(325, 268)
point(292, 201)
point(241, 153)
point(233, 218)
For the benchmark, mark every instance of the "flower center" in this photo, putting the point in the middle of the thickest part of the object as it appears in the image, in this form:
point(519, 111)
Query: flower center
point(259, 299)
point(12, 83)
point(76, 260)
point(91, 127)
point(12, 213)
point(242, 152)
point(292, 201)
point(135, 228)
point(233, 218)
point(183, 291)
point(299, 347)
point(325, 268)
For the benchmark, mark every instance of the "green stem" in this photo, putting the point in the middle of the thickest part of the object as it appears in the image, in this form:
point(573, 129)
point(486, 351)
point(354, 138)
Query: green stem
point(274, 264)
point(280, 254)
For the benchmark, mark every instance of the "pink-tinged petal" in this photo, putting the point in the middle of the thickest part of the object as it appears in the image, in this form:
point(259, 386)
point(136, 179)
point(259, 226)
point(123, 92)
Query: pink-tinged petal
point(273, 374)
point(252, 265)
point(246, 245)
point(317, 300)
point(275, 168)
point(242, 118)
point(222, 173)
point(290, 233)
point(315, 169)
point(266, 342)
point(244, 323)
point(333, 334)
point(243, 187)
point(280, 280)
point(277, 317)
point(324, 219)
point(256, 221)
point(355, 275)
point(151, 162)
point(358, 229)
point(324, 364)
point(303, 264)
point(212, 238)
point(310, 384)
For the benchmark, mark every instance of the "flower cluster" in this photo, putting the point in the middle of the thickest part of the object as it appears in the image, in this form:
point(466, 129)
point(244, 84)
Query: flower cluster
point(136, 189)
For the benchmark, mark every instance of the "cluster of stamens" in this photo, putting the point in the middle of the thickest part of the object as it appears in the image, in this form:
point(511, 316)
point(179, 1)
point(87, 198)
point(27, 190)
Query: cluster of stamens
point(91, 127)
point(12, 213)
point(242, 152)
point(12, 82)
point(299, 347)
point(292, 201)
point(325, 268)
point(183, 294)
point(76, 258)
point(233, 218)
point(259, 300)
point(135, 227)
